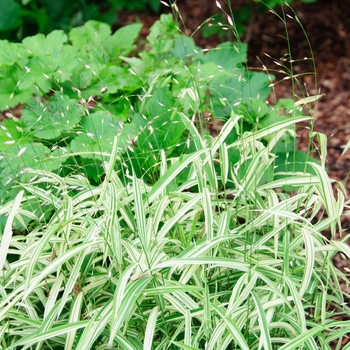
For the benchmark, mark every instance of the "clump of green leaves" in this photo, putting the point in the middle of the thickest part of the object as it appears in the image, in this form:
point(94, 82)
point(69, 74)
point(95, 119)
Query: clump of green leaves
point(83, 89)
point(157, 266)
point(21, 18)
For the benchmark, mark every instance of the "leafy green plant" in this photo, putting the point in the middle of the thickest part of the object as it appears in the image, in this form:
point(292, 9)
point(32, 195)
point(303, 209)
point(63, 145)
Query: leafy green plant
point(142, 267)
point(22, 18)
point(103, 91)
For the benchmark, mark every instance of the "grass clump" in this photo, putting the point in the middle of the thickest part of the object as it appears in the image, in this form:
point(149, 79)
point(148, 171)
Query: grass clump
point(181, 240)
point(142, 266)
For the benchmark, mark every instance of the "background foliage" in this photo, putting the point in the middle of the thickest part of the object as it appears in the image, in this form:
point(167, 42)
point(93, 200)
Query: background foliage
point(21, 18)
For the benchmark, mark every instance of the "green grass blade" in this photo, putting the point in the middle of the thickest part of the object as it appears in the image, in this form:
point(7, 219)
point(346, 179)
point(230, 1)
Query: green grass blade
point(140, 215)
point(51, 333)
point(127, 305)
point(265, 339)
point(302, 338)
point(74, 316)
point(6, 237)
point(309, 260)
point(58, 262)
point(171, 173)
point(232, 327)
point(150, 327)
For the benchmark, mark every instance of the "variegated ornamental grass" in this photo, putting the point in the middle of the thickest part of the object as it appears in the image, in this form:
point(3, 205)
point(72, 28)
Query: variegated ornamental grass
point(177, 265)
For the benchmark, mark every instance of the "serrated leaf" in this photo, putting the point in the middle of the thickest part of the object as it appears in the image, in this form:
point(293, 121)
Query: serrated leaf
point(184, 47)
point(240, 88)
point(160, 129)
point(50, 120)
point(295, 161)
point(44, 70)
point(39, 45)
point(83, 77)
point(122, 41)
point(210, 71)
point(227, 55)
point(88, 40)
point(137, 65)
point(12, 133)
point(258, 109)
point(162, 35)
point(10, 53)
point(110, 80)
point(99, 130)
point(9, 98)
point(257, 85)
point(32, 155)
point(90, 33)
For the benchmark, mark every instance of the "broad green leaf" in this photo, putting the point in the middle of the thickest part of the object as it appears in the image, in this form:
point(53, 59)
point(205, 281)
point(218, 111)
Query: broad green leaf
point(83, 77)
point(137, 65)
point(32, 156)
point(12, 133)
point(10, 93)
point(162, 35)
point(108, 80)
point(122, 41)
point(209, 72)
point(50, 120)
point(52, 44)
point(185, 48)
point(90, 36)
point(295, 161)
point(227, 55)
point(158, 129)
point(10, 53)
point(97, 136)
point(256, 85)
point(240, 88)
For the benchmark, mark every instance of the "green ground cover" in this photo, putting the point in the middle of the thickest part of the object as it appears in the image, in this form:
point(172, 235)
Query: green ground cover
point(126, 225)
